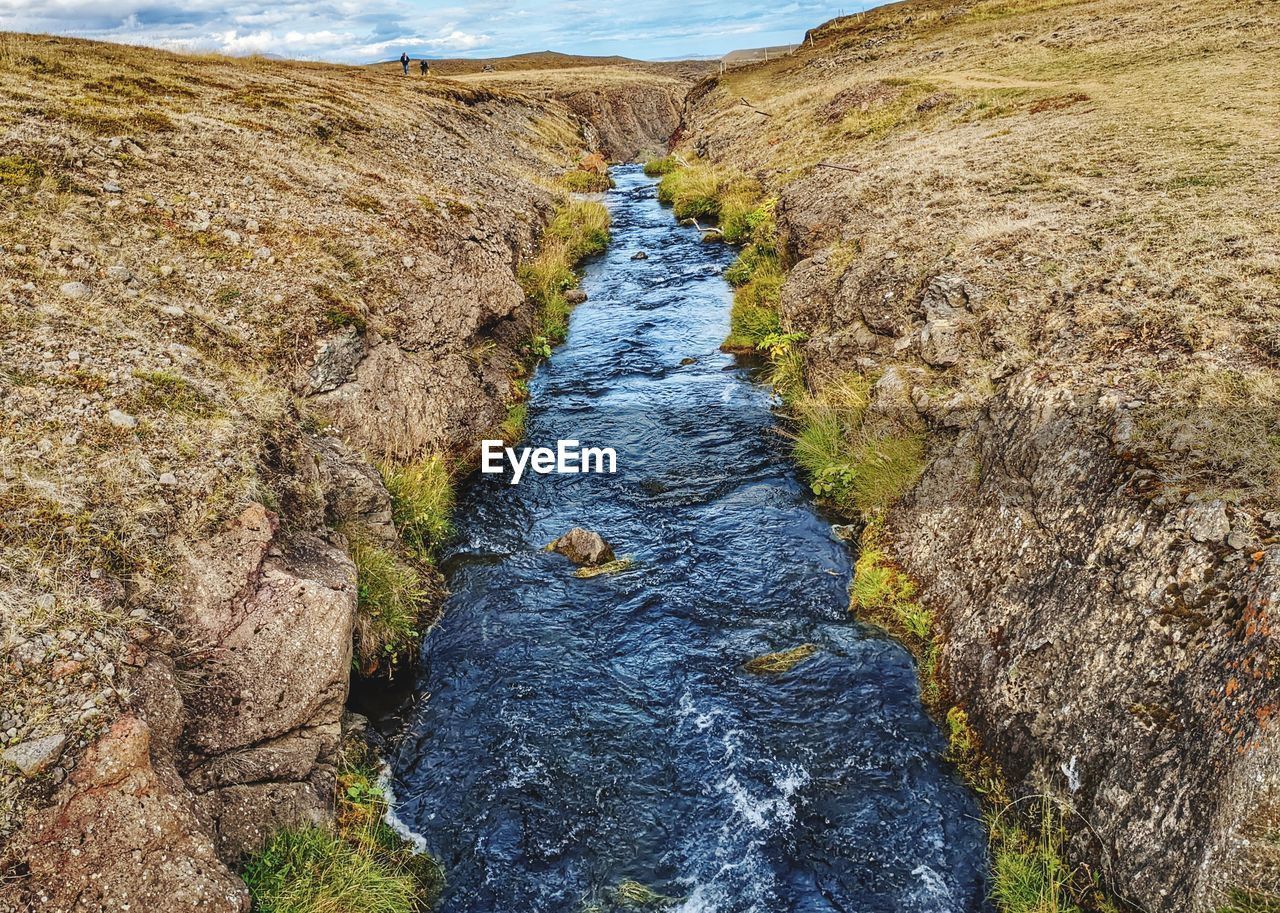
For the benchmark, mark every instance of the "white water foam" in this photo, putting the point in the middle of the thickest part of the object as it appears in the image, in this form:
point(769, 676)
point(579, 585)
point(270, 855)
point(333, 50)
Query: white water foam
point(416, 840)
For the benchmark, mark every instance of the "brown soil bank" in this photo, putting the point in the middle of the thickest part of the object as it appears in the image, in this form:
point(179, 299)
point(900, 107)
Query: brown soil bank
point(632, 109)
point(1047, 232)
point(225, 288)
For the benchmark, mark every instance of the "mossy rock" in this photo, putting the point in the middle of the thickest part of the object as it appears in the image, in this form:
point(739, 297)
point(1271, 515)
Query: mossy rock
point(782, 661)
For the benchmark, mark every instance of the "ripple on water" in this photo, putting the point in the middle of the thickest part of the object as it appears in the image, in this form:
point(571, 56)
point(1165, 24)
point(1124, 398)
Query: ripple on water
point(578, 734)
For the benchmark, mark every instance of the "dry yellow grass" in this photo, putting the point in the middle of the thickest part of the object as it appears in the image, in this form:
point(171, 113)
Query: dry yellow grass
point(1103, 173)
point(179, 234)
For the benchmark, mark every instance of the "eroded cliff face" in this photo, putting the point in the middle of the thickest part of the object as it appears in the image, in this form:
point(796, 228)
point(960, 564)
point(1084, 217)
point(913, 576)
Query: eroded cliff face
point(631, 124)
point(229, 287)
point(1002, 235)
point(629, 111)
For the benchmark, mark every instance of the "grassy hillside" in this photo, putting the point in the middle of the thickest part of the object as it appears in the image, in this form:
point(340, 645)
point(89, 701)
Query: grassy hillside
point(1104, 169)
point(199, 254)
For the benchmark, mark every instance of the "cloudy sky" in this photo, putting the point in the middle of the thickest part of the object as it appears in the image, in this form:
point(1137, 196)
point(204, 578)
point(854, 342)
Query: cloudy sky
point(359, 32)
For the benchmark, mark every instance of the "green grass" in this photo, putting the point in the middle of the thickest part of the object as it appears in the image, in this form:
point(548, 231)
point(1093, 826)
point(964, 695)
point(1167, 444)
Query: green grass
point(360, 864)
point(853, 466)
point(693, 192)
point(744, 219)
point(391, 599)
point(422, 498)
point(582, 181)
point(1028, 873)
point(578, 230)
point(163, 392)
point(757, 276)
point(786, 364)
point(658, 167)
point(583, 227)
point(512, 428)
point(885, 596)
point(19, 171)
point(1242, 901)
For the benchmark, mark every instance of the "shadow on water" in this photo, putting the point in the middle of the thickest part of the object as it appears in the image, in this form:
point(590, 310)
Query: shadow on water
point(571, 735)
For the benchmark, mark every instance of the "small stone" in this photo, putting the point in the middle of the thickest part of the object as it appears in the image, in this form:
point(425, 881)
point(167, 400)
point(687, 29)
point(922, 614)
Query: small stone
point(77, 291)
point(263, 253)
point(166, 271)
point(122, 419)
point(581, 546)
point(575, 296)
point(111, 187)
point(167, 479)
point(119, 273)
point(172, 310)
point(46, 601)
point(34, 757)
point(408, 262)
point(231, 237)
point(1208, 522)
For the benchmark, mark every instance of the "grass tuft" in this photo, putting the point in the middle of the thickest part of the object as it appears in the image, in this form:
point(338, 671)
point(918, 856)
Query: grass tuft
point(853, 465)
point(391, 599)
point(579, 180)
point(1242, 901)
point(422, 498)
point(885, 596)
point(1028, 873)
point(580, 229)
point(656, 168)
point(358, 864)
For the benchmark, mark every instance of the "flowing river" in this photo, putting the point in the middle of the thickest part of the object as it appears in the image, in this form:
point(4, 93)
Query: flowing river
point(574, 739)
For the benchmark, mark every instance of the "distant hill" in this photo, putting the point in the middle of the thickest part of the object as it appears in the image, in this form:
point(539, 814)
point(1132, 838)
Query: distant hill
point(535, 60)
point(754, 55)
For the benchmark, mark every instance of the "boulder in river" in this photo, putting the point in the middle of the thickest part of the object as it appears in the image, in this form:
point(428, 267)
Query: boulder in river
point(639, 255)
point(581, 546)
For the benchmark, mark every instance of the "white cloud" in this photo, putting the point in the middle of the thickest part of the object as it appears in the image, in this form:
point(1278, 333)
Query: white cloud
point(356, 32)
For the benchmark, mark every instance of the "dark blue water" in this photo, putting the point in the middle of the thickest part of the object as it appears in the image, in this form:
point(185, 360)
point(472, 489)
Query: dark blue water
point(577, 734)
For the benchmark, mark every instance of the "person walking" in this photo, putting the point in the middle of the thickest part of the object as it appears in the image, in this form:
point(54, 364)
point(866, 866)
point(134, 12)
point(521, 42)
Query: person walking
point(404, 62)
point(425, 67)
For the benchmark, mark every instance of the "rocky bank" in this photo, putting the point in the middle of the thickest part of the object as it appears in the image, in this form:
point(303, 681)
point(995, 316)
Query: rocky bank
point(230, 288)
point(1012, 218)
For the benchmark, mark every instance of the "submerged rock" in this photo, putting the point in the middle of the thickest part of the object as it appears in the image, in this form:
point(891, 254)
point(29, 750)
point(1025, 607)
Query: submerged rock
point(609, 567)
point(639, 255)
point(581, 546)
point(782, 661)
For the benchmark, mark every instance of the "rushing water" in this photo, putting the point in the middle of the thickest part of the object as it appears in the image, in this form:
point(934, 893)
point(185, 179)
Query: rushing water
point(572, 735)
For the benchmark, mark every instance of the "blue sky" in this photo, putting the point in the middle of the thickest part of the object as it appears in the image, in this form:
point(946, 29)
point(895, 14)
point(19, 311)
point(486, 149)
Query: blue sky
point(358, 32)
